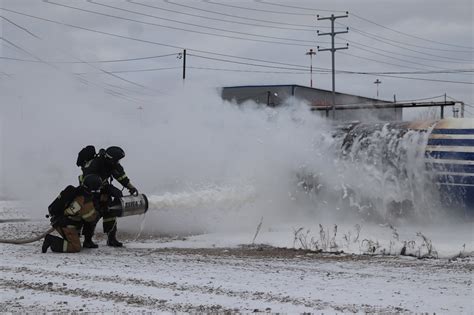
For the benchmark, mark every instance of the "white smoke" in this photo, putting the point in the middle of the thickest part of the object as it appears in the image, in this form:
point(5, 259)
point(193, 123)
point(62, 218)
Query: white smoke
point(187, 140)
point(205, 164)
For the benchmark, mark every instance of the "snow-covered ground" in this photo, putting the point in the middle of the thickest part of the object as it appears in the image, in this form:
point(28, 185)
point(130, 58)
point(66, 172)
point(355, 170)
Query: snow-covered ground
point(219, 272)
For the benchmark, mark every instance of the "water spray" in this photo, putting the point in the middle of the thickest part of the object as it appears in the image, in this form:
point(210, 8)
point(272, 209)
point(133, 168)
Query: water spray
point(413, 157)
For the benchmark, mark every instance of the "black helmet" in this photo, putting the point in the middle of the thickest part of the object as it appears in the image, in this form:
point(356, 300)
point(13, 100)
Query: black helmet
point(114, 153)
point(92, 182)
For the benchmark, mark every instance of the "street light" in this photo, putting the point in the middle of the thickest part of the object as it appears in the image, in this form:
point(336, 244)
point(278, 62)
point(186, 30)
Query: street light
point(311, 53)
point(377, 82)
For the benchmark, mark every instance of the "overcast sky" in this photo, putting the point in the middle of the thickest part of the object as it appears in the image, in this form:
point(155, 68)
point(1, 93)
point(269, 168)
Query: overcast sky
point(384, 36)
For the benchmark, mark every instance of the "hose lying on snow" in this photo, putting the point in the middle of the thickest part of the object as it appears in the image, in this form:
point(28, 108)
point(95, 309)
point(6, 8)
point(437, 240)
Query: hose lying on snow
point(27, 240)
point(126, 206)
point(13, 220)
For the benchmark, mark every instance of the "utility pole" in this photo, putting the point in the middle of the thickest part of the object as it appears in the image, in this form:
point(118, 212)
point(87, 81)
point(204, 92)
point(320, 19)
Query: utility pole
point(377, 82)
point(333, 51)
point(184, 64)
point(183, 56)
point(442, 107)
point(311, 53)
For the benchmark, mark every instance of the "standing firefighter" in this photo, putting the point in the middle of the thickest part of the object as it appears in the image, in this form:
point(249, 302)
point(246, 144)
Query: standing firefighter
point(69, 211)
point(106, 165)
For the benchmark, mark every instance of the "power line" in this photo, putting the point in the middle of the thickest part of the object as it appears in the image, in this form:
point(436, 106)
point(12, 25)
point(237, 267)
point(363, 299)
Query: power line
point(140, 40)
point(221, 20)
point(400, 59)
point(84, 81)
point(460, 61)
point(296, 7)
point(453, 71)
point(234, 16)
point(383, 62)
point(191, 24)
point(249, 71)
point(190, 30)
point(342, 72)
point(255, 59)
point(259, 10)
point(20, 27)
point(92, 61)
point(157, 17)
point(424, 79)
point(418, 72)
point(266, 72)
point(326, 72)
point(174, 46)
point(369, 35)
point(17, 59)
point(423, 70)
point(245, 63)
point(369, 21)
point(469, 112)
point(409, 35)
point(27, 52)
point(146, 41)
point(469, 105)
point(122, 60)
point(296, 68)
point(102, 70)
point(389, 40)
point(93, 30)
point(134, 70)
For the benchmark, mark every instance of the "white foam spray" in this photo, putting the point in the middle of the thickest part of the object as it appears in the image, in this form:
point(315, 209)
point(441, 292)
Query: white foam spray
point(231, 197)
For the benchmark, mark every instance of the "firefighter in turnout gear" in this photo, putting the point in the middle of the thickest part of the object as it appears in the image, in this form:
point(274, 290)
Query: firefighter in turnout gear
point(69, 220)
point(106, 165)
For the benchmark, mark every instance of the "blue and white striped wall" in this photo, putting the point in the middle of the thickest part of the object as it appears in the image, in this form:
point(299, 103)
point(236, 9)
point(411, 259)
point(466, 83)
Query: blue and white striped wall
point(449, 157)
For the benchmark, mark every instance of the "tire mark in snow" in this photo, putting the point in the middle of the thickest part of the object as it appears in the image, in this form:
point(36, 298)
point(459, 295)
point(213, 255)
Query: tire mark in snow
point(117, 297)
point(173, 286)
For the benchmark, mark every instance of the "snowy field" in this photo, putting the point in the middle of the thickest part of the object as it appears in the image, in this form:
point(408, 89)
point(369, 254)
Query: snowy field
point(220, 272)
point(233, 228)
point(253, 208)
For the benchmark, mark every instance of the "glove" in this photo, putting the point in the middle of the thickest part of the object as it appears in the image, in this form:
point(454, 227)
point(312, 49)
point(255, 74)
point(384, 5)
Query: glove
point(132, 189)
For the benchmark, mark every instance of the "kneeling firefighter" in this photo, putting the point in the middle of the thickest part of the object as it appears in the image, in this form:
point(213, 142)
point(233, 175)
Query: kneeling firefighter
point(106, 165)
point(73, 207)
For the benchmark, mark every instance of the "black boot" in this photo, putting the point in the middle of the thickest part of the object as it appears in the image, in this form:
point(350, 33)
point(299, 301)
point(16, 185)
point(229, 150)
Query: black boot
point(89, 243)
point(88, 231)
point(112, 240)
point(46, 243)
point(56, 244)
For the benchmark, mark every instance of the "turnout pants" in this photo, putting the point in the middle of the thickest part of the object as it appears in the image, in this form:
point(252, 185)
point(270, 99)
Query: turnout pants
point(108, 195)
point(69, 243)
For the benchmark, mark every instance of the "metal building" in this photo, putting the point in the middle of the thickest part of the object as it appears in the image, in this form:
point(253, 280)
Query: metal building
point(319, 100)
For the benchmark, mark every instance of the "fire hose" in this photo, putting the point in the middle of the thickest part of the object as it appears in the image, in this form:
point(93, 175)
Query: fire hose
point(122, 207)
point(27, 240)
